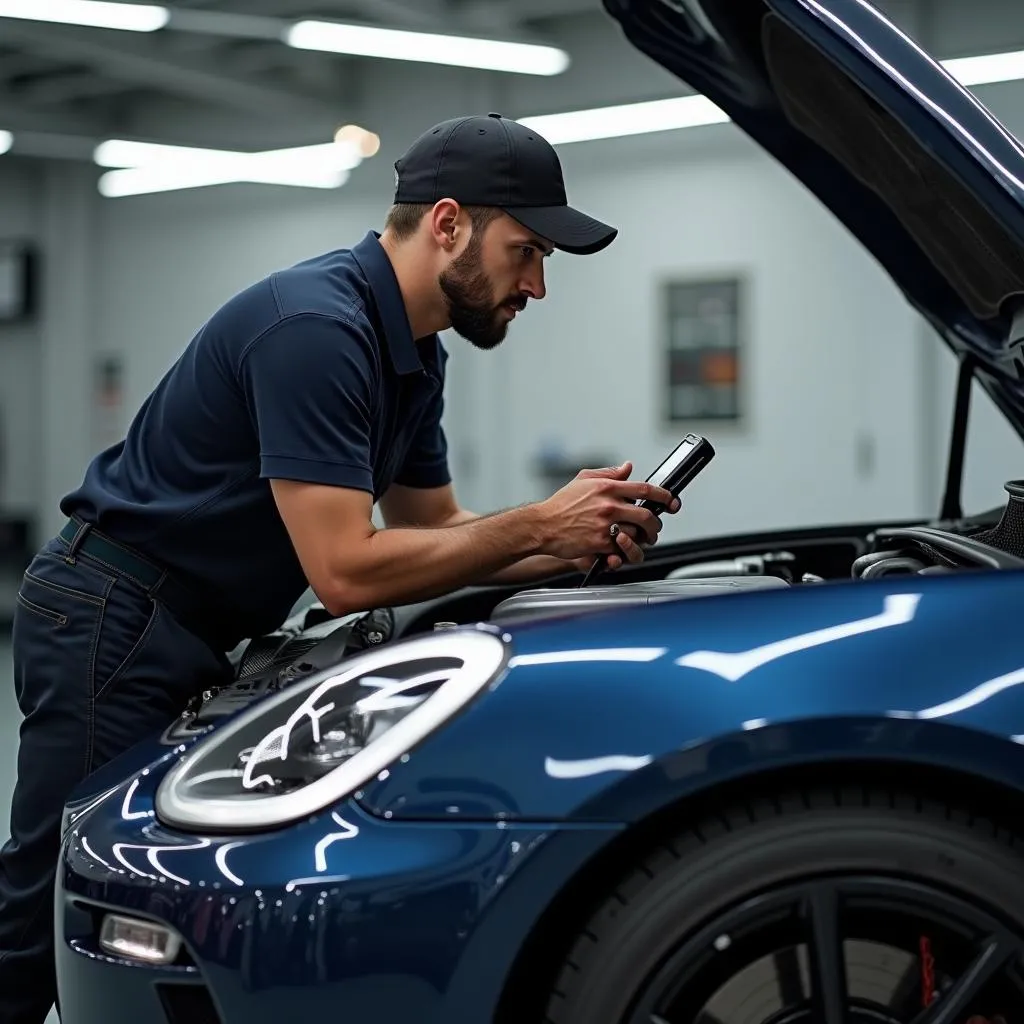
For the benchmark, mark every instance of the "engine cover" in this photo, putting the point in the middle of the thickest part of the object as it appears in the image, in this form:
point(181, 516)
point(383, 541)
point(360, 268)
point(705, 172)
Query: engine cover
point(533, 604)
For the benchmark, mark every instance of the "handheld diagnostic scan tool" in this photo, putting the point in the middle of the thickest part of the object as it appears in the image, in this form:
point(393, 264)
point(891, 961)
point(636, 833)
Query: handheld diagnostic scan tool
point(690, 456)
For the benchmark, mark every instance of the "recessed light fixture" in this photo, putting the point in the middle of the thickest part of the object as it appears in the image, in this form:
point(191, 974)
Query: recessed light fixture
point(143, 168)
point(426, 47)
point(627, 119)
point(987, 69)
point(91, 13)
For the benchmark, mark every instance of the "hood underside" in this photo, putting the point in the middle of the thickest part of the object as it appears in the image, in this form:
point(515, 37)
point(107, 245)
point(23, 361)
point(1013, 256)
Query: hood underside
point(953, 229)
point(904, 156)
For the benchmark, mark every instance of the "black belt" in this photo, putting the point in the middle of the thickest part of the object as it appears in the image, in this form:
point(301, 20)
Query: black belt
point(155, 580)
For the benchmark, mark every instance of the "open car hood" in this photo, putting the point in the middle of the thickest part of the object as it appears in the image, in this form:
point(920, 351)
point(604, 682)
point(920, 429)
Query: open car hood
point(900, 152)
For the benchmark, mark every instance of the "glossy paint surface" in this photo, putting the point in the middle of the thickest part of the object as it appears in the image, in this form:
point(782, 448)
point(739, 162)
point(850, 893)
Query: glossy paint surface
point(347, 910)
point(599, 718)
point(419, 896)
point(341, 917)
point(411, 900)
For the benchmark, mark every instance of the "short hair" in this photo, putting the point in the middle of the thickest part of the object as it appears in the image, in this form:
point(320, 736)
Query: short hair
point(403, 219)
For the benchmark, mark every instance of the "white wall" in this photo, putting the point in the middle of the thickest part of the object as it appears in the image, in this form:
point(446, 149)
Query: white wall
point(21, 218)
point(584, 364)
point(47, 427)
point(994, 452)
point(820, 313)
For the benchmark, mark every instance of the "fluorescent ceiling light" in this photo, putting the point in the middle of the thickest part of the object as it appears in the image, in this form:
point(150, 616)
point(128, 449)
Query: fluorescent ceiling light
point(457, 51)
point(138, 181)
point(118, 153)
point(984, 70)
point(92, 13)
point(627, 119)
point(6, 141)
point(145, 168)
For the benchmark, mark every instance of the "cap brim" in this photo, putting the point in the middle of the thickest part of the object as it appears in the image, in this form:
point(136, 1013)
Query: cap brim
point(565, 228)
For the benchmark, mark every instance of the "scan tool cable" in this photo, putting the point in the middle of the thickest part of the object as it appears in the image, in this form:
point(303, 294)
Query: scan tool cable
point(601, 562)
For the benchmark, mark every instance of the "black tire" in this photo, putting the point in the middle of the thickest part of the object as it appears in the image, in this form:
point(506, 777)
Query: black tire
point(751, 848)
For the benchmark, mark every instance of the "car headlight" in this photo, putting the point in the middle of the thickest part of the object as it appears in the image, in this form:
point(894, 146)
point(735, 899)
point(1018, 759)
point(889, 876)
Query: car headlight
point(323, 738)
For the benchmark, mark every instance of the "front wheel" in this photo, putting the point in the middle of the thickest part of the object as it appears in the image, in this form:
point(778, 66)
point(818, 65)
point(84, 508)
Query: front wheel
point(846, 906)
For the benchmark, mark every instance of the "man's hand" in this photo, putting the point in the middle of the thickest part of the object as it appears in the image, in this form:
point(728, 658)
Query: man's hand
point(582, 512)
point(630, 550)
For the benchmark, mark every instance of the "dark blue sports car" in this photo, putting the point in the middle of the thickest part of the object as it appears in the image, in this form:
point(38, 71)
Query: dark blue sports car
point(767, 779)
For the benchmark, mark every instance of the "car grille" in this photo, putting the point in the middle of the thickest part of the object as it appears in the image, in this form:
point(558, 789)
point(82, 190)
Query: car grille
point(188, 1004)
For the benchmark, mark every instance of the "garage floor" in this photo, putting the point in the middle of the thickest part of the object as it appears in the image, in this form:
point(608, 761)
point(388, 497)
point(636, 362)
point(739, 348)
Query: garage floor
point(10, 719)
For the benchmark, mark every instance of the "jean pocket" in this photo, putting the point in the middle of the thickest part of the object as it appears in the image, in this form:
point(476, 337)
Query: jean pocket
point(57, 602)
point(129, 617)
point(56, 618)
point(54, 635)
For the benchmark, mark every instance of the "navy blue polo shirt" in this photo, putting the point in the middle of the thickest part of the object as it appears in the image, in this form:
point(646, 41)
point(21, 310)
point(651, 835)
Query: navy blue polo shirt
point(312, 374)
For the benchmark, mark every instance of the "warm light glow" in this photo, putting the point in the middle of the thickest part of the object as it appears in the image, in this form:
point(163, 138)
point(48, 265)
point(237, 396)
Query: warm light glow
point(365, 141)
point(91, 13)
point(426, 47)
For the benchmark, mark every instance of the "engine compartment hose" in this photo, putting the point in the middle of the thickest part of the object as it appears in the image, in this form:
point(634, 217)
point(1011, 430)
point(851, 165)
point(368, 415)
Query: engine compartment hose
point(896, 565)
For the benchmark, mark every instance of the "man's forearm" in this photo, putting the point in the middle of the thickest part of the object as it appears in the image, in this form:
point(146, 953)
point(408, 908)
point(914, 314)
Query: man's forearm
point(526, 570)
point(397, 566)
point(530, 570)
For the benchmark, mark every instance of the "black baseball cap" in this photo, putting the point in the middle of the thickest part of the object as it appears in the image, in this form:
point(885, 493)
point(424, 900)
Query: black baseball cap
point(493, 161)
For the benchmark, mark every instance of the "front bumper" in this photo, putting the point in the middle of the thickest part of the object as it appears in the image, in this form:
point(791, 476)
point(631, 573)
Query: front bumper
point(341, 916)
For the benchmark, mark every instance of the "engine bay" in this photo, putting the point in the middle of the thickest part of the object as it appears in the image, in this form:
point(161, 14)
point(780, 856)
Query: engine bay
point(312, 640)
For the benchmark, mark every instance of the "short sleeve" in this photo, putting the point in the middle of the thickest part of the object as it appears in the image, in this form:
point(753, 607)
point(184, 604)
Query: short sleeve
point(426, 464)
point(310, 384)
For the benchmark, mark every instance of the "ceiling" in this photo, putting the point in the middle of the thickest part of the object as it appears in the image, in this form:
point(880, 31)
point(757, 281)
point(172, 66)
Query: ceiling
point(219, 75)
point(96, 82)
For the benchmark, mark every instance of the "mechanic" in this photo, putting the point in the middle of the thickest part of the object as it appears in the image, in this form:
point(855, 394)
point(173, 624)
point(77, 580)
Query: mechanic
point(252, 471)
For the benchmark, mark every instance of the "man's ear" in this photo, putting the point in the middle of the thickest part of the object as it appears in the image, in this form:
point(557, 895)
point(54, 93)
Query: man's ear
point(445, 223)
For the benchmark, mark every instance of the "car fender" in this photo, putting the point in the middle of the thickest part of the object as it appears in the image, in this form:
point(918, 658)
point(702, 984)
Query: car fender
point(607, 716)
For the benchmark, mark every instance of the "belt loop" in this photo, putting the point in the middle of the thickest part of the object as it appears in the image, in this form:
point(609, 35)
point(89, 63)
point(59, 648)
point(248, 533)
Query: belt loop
point(76, 542)
point(153, 590)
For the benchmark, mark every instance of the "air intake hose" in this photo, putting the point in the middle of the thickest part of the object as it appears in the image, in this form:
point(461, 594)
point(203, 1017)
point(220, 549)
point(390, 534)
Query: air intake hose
point(1008, 534)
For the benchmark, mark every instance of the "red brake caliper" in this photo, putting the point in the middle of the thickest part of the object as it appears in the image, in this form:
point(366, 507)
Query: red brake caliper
point(927, 972)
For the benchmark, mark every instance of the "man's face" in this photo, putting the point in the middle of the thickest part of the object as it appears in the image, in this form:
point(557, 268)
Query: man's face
point(496, 274)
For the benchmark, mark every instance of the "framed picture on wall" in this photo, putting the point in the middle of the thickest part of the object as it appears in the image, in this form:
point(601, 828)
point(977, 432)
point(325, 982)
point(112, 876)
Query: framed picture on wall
point(702, 362)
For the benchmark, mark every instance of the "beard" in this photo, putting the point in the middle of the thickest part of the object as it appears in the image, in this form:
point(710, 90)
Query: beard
point(471, 308)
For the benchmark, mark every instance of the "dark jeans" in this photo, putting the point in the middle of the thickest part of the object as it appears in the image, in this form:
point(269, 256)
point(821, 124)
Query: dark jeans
point(98, 665)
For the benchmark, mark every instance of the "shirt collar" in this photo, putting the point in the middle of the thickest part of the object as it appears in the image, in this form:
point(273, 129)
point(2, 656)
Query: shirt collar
point(380, 275)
